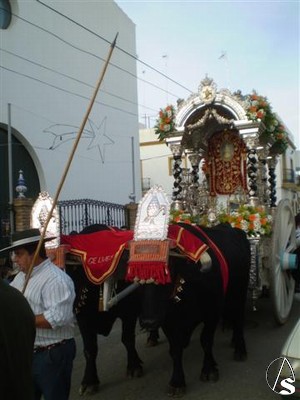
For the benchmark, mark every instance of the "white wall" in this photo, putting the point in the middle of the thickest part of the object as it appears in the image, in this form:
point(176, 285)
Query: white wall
point(155, 157)
point(49, 68)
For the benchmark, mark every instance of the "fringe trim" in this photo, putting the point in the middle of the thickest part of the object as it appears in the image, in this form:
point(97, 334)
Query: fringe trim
point(147, 272)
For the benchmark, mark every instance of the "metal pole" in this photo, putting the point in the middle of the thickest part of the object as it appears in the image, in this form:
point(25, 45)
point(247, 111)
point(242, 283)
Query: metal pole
point(133, 170)
point(10, 169)
point(125, 292)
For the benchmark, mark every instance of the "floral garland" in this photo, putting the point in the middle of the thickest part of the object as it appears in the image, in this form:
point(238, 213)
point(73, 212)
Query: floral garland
point(177, 216)
point(260, 109)
point(253, 220)
point(181, 216)
point(165, 122)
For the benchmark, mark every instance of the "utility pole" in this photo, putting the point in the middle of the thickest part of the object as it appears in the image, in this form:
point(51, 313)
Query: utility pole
point(133, 196)
point(10, 170)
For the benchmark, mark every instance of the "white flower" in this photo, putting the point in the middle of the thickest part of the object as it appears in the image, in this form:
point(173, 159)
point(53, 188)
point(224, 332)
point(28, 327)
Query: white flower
point(244, 225)
point(256, 225)
point(252, 116)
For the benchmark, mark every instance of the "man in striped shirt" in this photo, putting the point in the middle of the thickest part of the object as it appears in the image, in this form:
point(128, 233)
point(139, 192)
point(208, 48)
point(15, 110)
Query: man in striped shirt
point(50, 293)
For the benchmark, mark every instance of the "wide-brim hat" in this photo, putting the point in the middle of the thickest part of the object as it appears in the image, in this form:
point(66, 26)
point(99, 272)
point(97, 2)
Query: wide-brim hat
point(22, 239)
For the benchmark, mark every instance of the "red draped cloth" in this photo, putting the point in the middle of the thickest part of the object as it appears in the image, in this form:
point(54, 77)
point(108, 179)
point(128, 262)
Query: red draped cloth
point(100, 252)
point(189, 244)
point(193, 247)
point(220, 257)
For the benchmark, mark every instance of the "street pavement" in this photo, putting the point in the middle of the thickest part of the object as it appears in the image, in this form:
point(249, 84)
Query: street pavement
point(238, 380)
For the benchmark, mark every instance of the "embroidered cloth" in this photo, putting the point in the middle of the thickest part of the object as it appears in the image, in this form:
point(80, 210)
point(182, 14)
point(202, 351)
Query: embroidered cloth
point(100, 252)
point(227, 163)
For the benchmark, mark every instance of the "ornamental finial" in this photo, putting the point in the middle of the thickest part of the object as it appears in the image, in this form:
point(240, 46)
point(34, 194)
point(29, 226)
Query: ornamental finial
point(207, 90)
point(21, 187)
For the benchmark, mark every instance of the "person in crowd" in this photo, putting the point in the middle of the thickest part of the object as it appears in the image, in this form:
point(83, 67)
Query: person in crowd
point(50, 293)
point(7, 269)
point(17, 334)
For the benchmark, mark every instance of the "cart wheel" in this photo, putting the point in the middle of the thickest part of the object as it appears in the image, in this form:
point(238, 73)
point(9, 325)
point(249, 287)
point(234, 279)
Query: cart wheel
point(283, 241)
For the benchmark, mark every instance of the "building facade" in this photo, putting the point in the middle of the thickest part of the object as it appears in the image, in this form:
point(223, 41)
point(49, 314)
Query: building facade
point(52, 57)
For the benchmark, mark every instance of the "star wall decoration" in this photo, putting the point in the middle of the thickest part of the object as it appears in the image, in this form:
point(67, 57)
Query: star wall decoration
point(100, 138)
point(63, 133)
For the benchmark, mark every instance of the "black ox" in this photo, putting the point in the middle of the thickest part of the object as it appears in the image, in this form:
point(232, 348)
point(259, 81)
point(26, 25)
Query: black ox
point(92, 322)
point(196, 296)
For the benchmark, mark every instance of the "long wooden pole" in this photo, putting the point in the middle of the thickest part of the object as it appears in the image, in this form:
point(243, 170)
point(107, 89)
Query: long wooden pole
point(67, 167)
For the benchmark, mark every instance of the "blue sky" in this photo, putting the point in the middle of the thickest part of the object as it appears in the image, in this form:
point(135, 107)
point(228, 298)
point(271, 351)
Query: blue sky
point(185, 39)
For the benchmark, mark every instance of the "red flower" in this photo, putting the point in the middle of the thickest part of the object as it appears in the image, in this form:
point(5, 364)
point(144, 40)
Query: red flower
point(260, 114)
point(252, 109)
point(263, 221)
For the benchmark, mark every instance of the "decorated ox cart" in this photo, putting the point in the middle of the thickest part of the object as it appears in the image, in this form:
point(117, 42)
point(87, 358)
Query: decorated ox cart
point(225, 150)
point(239, 139)
point(230, 144)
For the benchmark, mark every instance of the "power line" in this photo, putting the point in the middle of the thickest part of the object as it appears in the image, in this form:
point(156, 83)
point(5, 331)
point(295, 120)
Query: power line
point(117, 47)
point(70, 77)
point(92, 54)
point(156, 157)
point(65, 90)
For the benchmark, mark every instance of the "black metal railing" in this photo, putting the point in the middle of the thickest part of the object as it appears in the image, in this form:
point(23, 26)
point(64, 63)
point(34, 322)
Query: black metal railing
point(78, 214)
